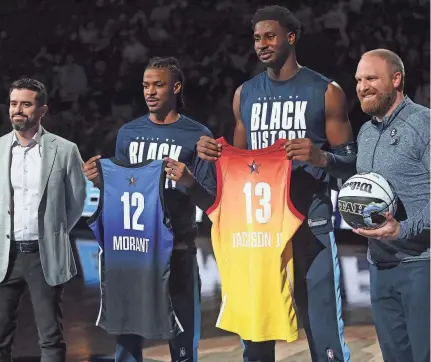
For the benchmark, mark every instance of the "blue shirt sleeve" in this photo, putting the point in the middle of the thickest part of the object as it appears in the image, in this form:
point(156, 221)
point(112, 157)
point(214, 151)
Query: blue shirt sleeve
point(120, 149)
point(203, 192)
point(205, 172)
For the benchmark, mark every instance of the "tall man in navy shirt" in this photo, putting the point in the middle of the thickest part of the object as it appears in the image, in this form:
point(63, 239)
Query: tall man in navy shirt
point(164, 132)
point(293, 102)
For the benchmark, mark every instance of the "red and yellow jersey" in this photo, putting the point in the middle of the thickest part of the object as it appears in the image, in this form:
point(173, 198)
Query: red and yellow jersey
point(253, 224)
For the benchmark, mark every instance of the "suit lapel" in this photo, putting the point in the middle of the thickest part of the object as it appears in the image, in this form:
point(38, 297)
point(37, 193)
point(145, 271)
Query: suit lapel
point(49, 151)
point(5, 162)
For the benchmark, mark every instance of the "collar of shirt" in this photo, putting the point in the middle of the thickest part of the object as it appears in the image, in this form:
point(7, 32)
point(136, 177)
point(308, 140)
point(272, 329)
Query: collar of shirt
point(386, 121)
point(34, 141)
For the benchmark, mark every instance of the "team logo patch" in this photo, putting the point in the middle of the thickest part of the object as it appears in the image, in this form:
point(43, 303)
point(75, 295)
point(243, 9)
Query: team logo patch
point(132, 181)
point(254, 167)
point(395, 140)
point(330, 354)
point(182, 352)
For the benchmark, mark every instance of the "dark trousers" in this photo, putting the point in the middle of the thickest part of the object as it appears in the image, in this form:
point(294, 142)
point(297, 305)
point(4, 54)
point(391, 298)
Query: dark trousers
point(25, 269)
point(184, 287)
point(318, 301)
point(400, 298)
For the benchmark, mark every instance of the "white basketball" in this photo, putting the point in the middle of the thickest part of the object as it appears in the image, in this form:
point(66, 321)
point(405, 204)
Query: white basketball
point(364, 199)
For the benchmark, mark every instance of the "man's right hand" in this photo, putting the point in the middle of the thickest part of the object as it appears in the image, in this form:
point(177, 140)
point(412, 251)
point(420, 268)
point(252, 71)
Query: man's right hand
point(208, 148)
point(90, 170)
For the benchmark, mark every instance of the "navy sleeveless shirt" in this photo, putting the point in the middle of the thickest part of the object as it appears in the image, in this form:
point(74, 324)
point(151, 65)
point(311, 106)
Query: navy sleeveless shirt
point(292, 109)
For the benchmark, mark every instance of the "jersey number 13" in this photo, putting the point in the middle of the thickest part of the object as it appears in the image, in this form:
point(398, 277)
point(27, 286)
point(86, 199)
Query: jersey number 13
point(262, 190)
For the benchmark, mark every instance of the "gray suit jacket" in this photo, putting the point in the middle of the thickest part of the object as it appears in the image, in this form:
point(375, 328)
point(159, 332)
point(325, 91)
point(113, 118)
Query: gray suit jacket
point(62, 195)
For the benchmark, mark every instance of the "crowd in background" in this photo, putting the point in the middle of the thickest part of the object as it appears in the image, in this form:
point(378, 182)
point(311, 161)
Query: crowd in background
point(91, 55)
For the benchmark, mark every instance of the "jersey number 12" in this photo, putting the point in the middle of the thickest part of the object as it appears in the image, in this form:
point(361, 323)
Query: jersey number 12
point(263, 191)
point(136, 200)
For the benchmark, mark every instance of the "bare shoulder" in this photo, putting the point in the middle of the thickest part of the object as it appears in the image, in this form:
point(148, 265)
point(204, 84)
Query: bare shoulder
point(236, 102)
point(335, 91)
point(335, 99)
point(238, 91)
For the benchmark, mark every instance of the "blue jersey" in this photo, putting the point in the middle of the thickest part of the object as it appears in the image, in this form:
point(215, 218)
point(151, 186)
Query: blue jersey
point(142, 139)
point(132, 227)
point(292, 109)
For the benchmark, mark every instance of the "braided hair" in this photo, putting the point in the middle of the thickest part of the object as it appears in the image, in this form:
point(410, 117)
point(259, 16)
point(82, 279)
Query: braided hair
point(173, 66)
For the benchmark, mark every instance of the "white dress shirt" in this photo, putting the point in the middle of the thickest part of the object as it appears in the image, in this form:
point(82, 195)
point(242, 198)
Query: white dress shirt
point(25, 178)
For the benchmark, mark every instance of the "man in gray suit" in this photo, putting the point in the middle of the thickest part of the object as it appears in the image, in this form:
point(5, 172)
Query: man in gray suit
point(42, 195)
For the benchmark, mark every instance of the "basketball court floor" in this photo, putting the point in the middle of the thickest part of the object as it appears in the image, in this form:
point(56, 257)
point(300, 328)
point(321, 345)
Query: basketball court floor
point(86, 342)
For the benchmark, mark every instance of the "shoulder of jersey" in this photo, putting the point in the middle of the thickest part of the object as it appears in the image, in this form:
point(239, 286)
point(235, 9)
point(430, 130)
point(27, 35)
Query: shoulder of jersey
point(136, 123)
point(257, 77)
point(308, 73)
point(313, 75)
point(195, 124)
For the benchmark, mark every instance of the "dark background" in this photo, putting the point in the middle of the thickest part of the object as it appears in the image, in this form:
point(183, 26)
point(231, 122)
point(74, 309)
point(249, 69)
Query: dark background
point(91, 55)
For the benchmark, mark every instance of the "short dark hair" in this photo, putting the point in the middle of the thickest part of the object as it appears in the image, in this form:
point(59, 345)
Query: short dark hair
point(172, 64)
point(33, 85)
point(281, 14)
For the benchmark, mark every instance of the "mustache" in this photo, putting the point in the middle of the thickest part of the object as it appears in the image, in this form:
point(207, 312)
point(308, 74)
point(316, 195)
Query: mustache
point(364, 94)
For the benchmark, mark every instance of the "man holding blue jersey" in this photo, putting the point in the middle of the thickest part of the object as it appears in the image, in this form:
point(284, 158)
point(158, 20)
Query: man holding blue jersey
point(396, 144)
point(164, 132)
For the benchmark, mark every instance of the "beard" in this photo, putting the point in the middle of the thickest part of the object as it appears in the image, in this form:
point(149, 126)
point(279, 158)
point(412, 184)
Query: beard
point(379, 105)
point(278, 59)
point(23, 126)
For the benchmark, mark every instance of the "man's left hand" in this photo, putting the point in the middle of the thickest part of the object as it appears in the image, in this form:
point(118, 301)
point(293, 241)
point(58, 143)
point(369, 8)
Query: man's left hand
point(303, 149)
point(178, 171)
point(389, 231)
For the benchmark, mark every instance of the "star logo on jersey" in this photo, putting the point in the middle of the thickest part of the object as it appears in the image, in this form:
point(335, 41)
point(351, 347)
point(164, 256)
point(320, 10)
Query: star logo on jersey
point(132, 181)
point(254, 167)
